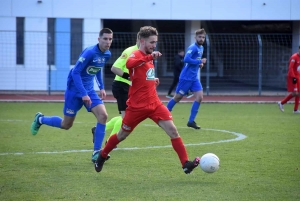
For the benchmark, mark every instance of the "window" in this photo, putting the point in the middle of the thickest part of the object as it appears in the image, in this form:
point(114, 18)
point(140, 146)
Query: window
point(20, 40)
point(76, 39)
point(51, 42)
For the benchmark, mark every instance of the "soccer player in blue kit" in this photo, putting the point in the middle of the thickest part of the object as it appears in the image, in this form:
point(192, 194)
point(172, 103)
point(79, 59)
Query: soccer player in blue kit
point(189, 80)
point(80, 91)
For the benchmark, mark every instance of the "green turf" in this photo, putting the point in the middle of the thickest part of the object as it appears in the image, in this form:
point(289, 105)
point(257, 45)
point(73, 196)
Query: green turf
point(264, 166)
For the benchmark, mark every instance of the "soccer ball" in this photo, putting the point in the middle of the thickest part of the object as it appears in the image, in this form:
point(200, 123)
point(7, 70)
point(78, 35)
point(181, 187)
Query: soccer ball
point(209, 163)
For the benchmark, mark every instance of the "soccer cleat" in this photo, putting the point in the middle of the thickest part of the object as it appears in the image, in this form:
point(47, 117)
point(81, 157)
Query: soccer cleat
point(35, 126)
point(190, 165)
point(100, 162)
point(169, 96)
point(95, 155)
point(297, 112)
point(93, 132)
point(193, 125)
point(189, 95)
point(280, 106)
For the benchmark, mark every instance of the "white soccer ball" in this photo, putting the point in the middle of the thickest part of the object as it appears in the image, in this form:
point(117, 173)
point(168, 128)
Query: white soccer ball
point(209, 163)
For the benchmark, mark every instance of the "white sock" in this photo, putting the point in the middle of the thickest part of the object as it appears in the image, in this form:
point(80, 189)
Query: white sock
point(40, 120)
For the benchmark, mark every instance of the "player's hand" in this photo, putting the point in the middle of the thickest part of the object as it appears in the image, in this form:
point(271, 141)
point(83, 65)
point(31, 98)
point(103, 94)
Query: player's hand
point(294, 80)
point(156, 81)
point(87, 101)
point(203, 60)
point(102, 94)
point(155, 54)
point(201, 65)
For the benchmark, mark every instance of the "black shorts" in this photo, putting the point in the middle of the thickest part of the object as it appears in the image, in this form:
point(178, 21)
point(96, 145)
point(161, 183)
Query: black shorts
point(120, 92)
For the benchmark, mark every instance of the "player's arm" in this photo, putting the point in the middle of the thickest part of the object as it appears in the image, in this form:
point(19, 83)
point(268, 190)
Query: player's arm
point(117, 66)
point(83, 60)
point(133, 62)
point(188, 57)
point(292, 70)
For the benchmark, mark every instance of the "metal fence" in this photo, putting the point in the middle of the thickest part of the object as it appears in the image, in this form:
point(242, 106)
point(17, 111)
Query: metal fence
point(237, 63)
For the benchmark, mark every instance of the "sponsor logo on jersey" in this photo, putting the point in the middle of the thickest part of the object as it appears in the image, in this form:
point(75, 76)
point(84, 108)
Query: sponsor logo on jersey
point(69, 111)
point(125, 127)
point(131, 55)
point(81, 59)
point(92, 70)
point(99, 60)
point(298, 69)
point(189, 52)
point(293, 60)
point(150, 74)
point(123, 56)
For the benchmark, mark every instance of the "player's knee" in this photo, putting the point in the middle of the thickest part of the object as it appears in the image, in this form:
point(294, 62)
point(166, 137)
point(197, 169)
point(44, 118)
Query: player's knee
point(66, 126)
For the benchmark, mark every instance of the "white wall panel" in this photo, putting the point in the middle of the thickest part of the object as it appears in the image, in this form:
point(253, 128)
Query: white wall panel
point(151, 9)
point(295, 9)
point(271, 10)
point(7, 23)
point(5, 8)
point(30, 8)
point(230, 9)
point(7, 79)
point(73, 8)
point(31, 79)
point(200, 9)
point(113, 9)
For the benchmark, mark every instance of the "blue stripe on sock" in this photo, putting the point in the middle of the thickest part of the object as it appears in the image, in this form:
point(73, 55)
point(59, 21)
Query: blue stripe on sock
point(194, 111)
point(99, 136)
point(54, 121)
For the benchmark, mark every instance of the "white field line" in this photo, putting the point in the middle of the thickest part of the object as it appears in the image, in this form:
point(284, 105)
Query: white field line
point(239, 136)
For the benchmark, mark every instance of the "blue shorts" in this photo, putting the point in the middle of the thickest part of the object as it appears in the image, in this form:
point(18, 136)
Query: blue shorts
point(73, 102)
point(184, 86)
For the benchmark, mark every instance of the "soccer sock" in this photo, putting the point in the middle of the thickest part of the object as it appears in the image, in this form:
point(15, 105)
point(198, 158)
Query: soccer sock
point(296, 103)
point(110, 125)
point(286, 99)
point(194, 111)
point(110, 145)
point(99, 136)
point(54, 121)
point(117, 126)
point(171, 104)
point(179, 147)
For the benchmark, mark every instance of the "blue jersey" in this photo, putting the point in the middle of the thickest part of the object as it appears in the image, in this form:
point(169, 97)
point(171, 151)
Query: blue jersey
point(89, 64)
point(192, 60)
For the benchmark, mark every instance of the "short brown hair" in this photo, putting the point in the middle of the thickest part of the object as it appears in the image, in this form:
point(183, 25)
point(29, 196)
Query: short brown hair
point(147, 31)
point(200, 31)
point(105, 30)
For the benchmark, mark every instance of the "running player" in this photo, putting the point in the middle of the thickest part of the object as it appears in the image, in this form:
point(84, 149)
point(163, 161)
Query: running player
point(120, 87)
point(293, 82)
point(80, 91)
point(144, 102)
point(189, 80)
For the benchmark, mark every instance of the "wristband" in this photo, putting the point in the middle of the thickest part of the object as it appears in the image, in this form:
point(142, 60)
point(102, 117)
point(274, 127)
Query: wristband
point(125, 75)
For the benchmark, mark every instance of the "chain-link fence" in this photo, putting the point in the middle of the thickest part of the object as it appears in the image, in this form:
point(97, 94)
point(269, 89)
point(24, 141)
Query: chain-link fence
point(237, 63)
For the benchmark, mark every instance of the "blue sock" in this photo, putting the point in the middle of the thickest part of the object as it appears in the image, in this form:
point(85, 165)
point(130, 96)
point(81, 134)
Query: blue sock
point(54, 121)
point(194, 111)
point(99, 136)
point(171, 104)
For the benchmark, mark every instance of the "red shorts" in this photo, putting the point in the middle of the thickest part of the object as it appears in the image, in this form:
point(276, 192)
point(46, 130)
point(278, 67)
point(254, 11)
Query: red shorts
point(156, 111)
point(293, 87)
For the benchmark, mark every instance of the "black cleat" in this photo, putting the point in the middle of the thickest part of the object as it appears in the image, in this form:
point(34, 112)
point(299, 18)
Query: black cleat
point(190, 165)
point(99, 162)
point(193, 125)
point(93, 132)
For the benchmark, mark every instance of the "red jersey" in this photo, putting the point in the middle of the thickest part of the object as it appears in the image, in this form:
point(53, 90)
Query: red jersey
point(142, 75)
point(294, 66)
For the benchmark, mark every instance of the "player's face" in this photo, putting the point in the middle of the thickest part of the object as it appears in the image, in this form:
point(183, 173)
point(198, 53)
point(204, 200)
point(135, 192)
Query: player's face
point(200, 38)
point(105, 41)
point(149, 44)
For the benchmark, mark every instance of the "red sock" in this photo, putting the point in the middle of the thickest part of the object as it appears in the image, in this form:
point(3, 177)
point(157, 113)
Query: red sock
point(286, 99)
point(110, 145)
point(296, 103)
point(179, 147)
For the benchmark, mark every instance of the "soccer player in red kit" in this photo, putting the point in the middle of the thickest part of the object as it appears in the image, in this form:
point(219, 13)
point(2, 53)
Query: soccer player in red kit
point(293, 82)
point(143, 101)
